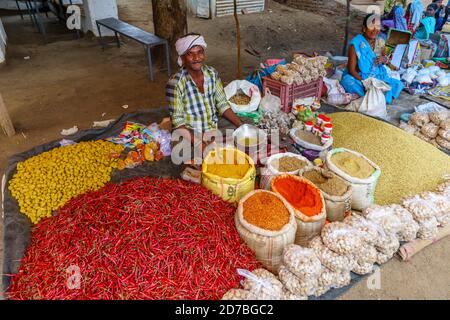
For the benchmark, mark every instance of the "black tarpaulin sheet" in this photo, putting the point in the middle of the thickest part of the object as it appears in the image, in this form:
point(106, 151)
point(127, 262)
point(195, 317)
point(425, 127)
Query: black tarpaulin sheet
point(17, 227)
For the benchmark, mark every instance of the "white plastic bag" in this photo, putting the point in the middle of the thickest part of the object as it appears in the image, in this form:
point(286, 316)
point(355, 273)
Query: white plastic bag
point(374, 102)
point(247, 88)
point(424, 78)
point(443, 81)
point(409, 75)
point(429, 107)
point(270, 103)
point(261, 284)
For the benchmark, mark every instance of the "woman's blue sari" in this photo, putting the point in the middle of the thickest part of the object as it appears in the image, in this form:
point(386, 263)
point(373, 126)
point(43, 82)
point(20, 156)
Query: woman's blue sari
point(368, 68)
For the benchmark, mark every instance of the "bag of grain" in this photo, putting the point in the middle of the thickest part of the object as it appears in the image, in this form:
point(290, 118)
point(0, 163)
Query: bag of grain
point(266, 223)
point(419, 119)
point(282, 163)
point(438, 117)
point(430, 130)
point(262, 284)
point(301, 261)
point(297, 286)
point(243, 96)
point(336, 191)
point(229, 173)
point(441, 205)
point(237, 294)
point(443, 143)
point(330, 259)
point(359, 171)
point(445, 134)
point(307, 202)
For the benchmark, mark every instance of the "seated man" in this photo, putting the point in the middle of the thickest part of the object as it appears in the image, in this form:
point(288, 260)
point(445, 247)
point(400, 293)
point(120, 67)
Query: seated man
point(366, 59)
point(195, 93)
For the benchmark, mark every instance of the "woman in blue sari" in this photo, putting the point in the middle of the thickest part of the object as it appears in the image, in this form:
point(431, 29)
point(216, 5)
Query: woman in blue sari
point(396, 19)
point(363, 61)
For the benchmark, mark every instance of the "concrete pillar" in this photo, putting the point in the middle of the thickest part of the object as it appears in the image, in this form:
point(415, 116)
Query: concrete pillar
point(99, 9)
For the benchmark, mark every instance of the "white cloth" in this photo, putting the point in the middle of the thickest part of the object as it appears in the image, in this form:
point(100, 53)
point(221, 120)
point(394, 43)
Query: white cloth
point(184, 44)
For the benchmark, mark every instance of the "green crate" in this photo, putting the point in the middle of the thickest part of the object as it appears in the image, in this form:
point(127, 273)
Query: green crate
point(396, 37)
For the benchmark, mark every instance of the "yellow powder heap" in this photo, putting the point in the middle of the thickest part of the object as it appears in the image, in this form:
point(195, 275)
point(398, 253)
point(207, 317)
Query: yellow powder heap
point(353, 165)
point(408, 165)
point(228, 164)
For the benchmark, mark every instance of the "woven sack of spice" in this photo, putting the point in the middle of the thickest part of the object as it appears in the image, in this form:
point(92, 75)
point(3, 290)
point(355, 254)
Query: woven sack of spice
point(307, 202)
point(266, 223)
point(363, 190)
point(277, 164)
point(228, 188)
point(336, 191)
point(307, 145)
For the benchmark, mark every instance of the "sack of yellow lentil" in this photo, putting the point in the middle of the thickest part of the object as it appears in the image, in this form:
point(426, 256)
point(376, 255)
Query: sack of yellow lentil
point(336, 191)
point(283, 163)
point(266, 223)
point(307, 202)
point(229, 173)
point(359, 171)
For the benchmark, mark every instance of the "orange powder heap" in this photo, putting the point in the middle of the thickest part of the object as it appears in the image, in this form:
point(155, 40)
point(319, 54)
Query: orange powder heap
point(301, 195)
point(266, 211)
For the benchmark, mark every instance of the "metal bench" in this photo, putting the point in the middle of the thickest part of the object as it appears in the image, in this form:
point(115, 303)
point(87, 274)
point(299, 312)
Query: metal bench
point(148, 39)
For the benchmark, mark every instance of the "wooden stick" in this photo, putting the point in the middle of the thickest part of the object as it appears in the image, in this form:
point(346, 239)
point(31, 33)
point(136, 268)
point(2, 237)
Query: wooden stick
point(238, 40)
point(411, 248)
point(347, 25)
point(5, 120)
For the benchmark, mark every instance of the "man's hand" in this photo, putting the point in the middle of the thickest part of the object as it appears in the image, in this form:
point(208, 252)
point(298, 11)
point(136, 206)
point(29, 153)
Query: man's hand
point(232, 117)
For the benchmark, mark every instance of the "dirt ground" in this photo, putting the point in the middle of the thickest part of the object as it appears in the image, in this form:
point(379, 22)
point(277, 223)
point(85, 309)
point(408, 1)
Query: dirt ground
point(72, 81)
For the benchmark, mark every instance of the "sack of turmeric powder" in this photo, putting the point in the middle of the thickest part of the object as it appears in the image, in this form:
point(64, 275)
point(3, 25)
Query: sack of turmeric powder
point(229, 173)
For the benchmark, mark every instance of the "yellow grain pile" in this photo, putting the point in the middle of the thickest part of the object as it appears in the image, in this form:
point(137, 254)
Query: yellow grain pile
point(408, 164)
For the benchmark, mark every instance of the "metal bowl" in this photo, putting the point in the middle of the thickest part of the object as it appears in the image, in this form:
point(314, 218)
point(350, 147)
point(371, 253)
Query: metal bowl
point(256, 136)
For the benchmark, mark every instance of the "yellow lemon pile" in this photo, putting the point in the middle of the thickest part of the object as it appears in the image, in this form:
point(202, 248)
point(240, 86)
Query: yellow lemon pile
point(44, 183)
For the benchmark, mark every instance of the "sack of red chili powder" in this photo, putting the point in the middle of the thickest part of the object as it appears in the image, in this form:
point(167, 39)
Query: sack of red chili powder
point(307, 202)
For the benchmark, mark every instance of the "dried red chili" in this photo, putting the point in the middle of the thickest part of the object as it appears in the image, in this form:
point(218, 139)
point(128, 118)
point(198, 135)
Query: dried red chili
point(145, 238)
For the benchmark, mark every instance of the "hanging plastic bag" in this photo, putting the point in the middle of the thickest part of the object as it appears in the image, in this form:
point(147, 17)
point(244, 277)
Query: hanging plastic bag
point(270, 103)
point(246, 88)
point(374, 102)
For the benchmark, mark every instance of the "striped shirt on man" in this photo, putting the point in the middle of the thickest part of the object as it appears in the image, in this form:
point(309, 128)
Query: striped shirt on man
point(189, 107)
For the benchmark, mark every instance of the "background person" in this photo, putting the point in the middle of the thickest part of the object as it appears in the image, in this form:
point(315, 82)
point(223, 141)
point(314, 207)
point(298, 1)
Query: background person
point(363, 61)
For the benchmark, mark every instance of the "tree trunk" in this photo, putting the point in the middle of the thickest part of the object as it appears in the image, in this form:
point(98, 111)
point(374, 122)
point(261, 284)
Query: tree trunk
point(5, 120)
point(238, 42)
point(170, 22)
point(347, 26)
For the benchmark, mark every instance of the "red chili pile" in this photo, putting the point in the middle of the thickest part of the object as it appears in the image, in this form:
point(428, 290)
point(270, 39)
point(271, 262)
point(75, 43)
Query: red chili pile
point(145, 238)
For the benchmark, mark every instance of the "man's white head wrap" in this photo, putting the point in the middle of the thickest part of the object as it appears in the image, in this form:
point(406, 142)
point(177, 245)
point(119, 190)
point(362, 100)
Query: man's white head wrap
point(183, 45)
